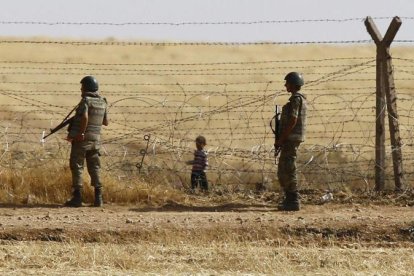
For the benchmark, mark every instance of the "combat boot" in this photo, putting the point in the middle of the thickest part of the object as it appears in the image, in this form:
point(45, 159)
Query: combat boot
point(76, 200)
point(98, 197)
point(290, 203)
point(281, 205)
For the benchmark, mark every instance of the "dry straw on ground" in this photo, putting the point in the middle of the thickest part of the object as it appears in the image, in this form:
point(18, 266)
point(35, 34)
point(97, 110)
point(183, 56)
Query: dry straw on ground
point(202, 259)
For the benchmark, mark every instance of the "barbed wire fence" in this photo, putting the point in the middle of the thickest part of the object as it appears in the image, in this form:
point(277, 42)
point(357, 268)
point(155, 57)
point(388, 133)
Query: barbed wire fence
point(229, 102)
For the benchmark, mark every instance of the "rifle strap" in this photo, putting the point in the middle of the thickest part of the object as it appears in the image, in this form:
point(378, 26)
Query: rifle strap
point(70, 113)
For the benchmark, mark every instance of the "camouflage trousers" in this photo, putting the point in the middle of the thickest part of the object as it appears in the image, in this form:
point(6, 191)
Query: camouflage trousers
point(286, 170)
point(80, 151)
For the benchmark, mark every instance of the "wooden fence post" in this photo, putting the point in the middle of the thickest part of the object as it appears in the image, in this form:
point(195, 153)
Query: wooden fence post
point(386, 87)
point(380, 110)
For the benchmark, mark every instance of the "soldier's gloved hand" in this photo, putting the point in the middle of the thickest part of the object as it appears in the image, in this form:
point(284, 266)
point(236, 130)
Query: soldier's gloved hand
point(79, 138)
point(278, 148)
point(278, 145)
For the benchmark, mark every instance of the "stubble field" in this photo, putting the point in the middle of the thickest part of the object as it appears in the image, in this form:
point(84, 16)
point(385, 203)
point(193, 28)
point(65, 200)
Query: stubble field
point(244, 237)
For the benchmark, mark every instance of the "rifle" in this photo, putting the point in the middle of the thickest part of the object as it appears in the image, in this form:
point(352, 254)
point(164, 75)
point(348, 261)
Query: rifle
point(276, 129)
point(64, 123)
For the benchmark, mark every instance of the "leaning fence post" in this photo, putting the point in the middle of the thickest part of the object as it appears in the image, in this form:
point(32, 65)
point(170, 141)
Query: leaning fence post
point(380, 110)
point(385, 85)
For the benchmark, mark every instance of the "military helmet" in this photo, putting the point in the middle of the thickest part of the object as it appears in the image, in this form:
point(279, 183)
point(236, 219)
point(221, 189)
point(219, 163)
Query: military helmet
point(90, 84)
point(295, 78)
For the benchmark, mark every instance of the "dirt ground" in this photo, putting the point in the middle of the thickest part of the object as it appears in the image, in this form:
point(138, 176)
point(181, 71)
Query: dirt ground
point(340, 223)
point(209, 236)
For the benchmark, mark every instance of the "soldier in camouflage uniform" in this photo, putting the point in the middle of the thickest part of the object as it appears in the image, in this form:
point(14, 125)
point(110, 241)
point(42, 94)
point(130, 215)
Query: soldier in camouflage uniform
point(84, 134)
point(293, 125)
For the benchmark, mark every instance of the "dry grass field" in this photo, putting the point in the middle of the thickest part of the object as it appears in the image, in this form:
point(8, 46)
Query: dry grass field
point(150, 224)
point(243, 237)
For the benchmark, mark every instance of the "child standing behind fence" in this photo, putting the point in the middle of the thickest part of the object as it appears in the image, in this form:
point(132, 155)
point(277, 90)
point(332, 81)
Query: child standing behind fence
point(200, 162)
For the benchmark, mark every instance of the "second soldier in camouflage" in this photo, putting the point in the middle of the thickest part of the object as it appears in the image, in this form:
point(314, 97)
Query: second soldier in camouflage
point(293, 126)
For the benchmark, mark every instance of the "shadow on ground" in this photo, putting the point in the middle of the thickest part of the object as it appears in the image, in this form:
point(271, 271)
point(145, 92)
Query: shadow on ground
point(18, 206)
point(172, 206)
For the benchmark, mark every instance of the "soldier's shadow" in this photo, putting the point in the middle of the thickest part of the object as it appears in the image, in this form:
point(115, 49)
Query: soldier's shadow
point(22, 206)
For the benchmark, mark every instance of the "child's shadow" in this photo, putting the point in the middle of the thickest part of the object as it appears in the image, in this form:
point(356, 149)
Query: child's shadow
point(171, 206)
